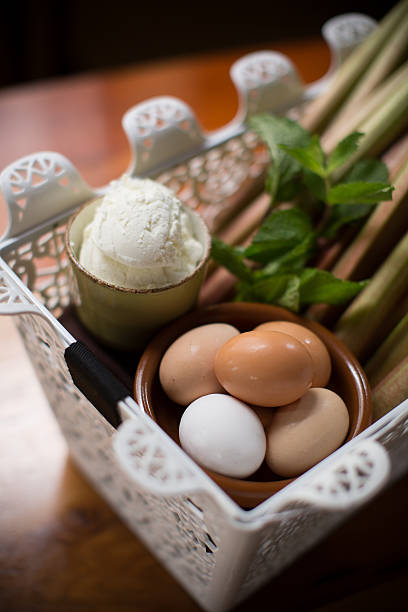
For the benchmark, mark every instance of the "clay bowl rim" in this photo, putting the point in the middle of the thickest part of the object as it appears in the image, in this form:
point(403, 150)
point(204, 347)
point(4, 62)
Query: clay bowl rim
point(251, 492)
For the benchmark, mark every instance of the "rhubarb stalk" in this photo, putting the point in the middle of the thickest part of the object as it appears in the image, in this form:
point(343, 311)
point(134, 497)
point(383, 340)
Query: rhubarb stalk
point(391, 391)
point(380, 129)
point(339, 129)
point(360, 325)
point(384, 63)
point(319, 111)
point(392, 351)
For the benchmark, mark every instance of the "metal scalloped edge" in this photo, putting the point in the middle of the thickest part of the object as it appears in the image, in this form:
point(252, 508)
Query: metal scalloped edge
point(350, 479)
point(141, 453)
point(39, 183)
point(265, 81)
point(159, 129)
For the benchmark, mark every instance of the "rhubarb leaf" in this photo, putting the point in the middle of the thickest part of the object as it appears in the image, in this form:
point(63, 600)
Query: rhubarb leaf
point(343, 151)
point(310, 156)
point(319, 286)
point(359, 192)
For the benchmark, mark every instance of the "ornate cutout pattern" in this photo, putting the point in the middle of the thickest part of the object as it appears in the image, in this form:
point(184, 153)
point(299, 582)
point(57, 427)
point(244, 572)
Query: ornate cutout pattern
point(160, 129)
point(140, 449)
point(349, 478)
point(37, 184)
point(266, 81)
point(12, 300)
point(43, 266)
point(263, 67)
point(292, 531)
point(212, 182)
point(345, 31)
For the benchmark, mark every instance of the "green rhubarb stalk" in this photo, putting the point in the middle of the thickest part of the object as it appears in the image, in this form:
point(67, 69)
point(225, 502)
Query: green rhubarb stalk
point(392, 351)
point(337, 130)
point(380, 128)
point(318, 112)
point(360, 325)
point(391, 391)
point(378, 235)
point(396, 157)
point(394, 51)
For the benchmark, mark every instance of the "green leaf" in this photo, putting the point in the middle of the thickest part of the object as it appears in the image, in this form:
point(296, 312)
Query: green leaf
point(279, 289)
point(344, 149)
point(290, 298)
point(344, 214)
point(368, 170)
point(272, 180)
point(320, 286)
point(288, 189)
point(359, 192)
point(315, 184)
point(275, 130)
point(310, 156)
point(281, 231)
point(231, 258)
point(292, 261)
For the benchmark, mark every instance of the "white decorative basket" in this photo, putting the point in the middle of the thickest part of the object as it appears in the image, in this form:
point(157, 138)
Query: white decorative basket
point(219, 552)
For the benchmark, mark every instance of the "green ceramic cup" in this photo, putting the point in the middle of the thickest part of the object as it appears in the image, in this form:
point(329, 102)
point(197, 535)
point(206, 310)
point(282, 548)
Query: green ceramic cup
point(124, 318)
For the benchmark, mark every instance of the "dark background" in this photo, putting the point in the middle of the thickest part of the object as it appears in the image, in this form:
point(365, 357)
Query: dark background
point(46, 39)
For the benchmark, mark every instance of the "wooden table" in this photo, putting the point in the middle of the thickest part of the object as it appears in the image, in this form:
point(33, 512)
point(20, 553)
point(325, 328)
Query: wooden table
point(61, 548)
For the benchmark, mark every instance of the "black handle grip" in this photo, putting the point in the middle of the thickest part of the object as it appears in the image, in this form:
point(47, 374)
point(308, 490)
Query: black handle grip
point(95, 381)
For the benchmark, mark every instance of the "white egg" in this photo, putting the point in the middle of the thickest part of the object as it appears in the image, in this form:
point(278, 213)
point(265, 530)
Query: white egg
point(223, 434)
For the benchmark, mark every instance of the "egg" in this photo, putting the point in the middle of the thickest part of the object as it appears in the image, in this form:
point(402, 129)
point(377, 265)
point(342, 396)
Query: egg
point(316, 347)
point(265, 368)
point(223, 434)
point(304, 432)
point(187, 368)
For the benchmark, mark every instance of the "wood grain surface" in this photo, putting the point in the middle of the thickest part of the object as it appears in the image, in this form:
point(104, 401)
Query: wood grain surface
point(61, 548)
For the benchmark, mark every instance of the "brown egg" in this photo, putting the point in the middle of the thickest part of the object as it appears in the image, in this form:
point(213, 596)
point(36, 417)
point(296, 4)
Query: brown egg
point(186, 370)
point(306, 431)
point(316, 347)
point(264, 368)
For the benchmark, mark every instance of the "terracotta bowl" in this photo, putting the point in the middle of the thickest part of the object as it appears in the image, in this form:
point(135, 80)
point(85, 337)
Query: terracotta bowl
point(348, 380)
